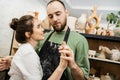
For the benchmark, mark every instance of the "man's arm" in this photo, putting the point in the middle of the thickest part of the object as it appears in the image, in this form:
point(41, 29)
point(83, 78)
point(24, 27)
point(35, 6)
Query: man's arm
point(81, 60)
point(76, 71)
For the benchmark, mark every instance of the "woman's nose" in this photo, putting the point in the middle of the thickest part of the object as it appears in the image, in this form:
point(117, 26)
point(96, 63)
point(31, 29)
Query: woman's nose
point(42, 29)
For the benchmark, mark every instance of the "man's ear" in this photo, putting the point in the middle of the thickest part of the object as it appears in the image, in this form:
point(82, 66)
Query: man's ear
point(27, 34)
point(67, 12)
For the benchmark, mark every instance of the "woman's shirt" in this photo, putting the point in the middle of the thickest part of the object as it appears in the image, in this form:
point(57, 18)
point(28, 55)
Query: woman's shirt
point(25, 64)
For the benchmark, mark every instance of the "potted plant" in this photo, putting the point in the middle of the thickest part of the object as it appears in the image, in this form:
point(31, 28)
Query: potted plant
point(114, 19)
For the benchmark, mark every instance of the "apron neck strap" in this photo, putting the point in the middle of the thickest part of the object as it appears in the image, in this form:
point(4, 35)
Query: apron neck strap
point(50, 35)
point(66, 35)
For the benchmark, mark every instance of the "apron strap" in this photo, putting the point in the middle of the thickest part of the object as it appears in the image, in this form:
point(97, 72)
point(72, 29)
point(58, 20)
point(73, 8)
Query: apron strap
point(67, 35)
point(48, 37)
point(65, 38)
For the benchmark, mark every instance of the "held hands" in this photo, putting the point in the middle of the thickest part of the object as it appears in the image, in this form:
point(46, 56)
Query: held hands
point(63, 63)
point(67, 56)
point(67, 60)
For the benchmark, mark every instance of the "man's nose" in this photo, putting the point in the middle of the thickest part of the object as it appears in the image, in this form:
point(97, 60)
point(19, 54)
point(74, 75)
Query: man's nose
point(54, 17)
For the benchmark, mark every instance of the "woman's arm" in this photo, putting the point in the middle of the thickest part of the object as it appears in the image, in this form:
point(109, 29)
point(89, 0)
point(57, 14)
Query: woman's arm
point(59, 70)
point(56, 75)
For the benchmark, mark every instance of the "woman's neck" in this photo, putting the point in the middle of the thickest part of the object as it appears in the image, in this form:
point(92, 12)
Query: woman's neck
point(33, 42)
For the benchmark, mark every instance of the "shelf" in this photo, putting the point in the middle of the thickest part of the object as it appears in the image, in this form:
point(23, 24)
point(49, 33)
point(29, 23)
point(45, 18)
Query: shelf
point(92, 36)
point(105, 60)
point(107, 38)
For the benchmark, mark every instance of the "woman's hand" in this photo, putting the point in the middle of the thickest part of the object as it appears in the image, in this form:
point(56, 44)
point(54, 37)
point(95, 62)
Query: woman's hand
point(5, 62)
point(63, 63)
point(2, 64)
point(68, 55)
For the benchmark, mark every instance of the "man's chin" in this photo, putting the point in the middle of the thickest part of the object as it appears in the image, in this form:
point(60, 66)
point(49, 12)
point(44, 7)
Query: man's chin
point(57, 30)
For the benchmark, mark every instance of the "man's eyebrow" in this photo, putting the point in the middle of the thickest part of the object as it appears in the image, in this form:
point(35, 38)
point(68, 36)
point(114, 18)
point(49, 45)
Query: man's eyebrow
point(58, 12)
point(55, 12)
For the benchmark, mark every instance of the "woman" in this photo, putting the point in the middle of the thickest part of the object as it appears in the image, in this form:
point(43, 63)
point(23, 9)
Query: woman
point(25, 64)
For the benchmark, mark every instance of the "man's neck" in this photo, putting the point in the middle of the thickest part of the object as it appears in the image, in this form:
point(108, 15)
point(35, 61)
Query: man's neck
point(65, 29)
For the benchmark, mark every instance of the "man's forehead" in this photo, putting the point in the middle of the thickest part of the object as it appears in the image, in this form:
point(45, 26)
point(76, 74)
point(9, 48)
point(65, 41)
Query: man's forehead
point(54, 7)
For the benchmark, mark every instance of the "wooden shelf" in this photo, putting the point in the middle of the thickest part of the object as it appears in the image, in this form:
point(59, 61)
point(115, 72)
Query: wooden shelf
point(105, 60)
point(92, 36)
point(107, 38)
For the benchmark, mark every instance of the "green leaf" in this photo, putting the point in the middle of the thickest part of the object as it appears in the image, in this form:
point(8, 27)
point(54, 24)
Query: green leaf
point(118, 23)
point(118, 12)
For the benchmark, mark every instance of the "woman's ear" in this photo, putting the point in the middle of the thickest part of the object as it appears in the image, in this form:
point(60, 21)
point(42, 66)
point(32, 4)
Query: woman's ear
point(27, 34)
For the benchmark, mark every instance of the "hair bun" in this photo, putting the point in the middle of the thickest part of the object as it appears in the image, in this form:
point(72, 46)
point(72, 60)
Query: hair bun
point(14, 23)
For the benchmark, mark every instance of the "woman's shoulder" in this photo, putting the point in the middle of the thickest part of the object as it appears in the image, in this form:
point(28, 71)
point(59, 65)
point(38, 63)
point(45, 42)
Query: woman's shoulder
point(25, 49)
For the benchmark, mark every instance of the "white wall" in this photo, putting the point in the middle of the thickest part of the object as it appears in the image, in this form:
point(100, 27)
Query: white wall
point(15, 8)
point(78, 7)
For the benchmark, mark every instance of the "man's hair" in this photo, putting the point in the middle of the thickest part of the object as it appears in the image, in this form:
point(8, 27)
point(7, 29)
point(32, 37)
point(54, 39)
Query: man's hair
point(57, 1)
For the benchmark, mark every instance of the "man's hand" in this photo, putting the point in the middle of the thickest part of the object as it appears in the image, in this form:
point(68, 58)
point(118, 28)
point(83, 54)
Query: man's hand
point(69, 55)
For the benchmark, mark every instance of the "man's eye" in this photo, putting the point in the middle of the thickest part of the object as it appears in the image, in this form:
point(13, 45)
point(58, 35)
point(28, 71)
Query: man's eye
point(50, 17)
point(58, 14)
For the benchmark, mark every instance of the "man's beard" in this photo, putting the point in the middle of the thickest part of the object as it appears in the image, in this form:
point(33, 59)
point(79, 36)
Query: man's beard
point(61, 28)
